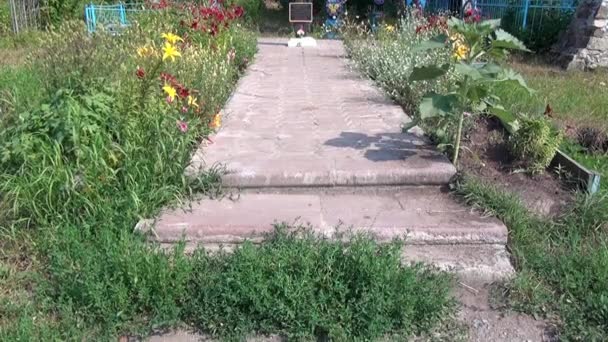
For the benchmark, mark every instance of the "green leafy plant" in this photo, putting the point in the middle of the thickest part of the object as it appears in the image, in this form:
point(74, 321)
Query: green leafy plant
point(477, 47)
point(5, 18)
point(304, 287)
point(390, 57)
point(544, 26)
point(534, 144)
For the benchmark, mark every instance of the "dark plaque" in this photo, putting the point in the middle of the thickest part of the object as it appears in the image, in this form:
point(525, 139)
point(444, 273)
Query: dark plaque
point(300, 12)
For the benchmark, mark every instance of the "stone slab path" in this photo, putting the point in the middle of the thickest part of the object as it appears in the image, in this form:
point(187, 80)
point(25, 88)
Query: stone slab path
point(300, 117)
point(306, 140)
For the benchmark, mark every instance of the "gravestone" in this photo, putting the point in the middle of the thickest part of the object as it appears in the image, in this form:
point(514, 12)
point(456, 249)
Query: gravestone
point(584, 45)
point(300, 16)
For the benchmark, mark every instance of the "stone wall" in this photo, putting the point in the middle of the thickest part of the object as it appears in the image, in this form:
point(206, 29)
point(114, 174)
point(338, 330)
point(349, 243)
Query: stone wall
point(585, 43)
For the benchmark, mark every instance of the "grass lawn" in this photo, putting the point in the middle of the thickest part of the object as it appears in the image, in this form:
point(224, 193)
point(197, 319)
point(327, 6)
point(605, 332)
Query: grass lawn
point(576, 98)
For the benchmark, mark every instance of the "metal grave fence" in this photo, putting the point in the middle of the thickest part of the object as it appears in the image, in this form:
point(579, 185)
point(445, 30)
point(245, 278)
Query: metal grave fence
point(111, 17)
point(523, 14)
point(117, 16)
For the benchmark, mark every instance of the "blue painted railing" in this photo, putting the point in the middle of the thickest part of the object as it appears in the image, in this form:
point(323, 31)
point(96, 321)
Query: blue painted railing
point(528, 14)
point(112, 17)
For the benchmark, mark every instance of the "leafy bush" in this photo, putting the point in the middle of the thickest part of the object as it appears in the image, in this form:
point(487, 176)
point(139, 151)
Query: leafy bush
point(476, 47)
point(5, 18)
point(253, 9)
point(543, 29)
point(389, 57)
point(304, 287)
point(54, 12)
point(534, 144)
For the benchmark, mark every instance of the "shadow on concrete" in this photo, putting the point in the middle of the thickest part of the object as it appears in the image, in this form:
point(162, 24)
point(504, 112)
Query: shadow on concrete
point(385, 146)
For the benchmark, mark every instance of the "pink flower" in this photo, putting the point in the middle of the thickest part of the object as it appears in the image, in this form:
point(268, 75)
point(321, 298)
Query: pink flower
point(182, 126)
point(169, 99)
point(184, 109)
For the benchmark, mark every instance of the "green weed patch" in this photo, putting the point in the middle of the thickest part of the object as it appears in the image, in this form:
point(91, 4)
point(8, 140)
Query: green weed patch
point(562, 264)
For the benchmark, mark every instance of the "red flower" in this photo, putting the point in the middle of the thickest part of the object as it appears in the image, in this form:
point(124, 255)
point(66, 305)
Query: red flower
point(140, 73)
point(182, 92)
point(238, 11)
point(167, 77)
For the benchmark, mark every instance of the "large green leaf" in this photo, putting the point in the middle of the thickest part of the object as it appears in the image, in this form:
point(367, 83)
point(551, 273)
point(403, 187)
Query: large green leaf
point(455, 23)
point(428, 72)
point(508, 119)
point(490, 69)
point(505, 40)
point(436, 42)
point(434, 104)
point(492, 24)
point(509, 75)
point(467, 70)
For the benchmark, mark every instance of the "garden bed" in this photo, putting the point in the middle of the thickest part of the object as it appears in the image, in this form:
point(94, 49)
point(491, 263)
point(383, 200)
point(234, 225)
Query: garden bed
point(488, 158)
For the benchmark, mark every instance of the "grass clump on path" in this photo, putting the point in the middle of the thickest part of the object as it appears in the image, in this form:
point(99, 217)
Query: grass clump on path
point(562, 263)
point(303, 287)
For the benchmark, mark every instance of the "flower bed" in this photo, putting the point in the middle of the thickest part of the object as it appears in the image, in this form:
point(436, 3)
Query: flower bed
point(102, 141)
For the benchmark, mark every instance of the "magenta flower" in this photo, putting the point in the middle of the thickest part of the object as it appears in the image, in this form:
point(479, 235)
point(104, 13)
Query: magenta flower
point(182, 126)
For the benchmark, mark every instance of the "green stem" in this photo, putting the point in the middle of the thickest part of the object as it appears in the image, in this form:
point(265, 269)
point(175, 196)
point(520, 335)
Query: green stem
point(465, 90)
point(146, 83)
point(458, 137)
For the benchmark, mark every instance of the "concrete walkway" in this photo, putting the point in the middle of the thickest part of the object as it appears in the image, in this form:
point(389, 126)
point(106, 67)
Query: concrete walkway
point(300, 117)
point(308, 141)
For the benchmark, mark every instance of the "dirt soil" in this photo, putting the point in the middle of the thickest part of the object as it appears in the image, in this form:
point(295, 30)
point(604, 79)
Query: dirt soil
point(487, 157)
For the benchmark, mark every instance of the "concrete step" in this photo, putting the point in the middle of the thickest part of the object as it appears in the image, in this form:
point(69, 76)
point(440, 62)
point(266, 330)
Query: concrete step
point(349, 159)
point(437, 228)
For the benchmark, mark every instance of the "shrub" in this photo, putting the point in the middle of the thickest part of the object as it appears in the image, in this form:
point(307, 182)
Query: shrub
point(389, 57)
point(305, 287)
point(5, 18)
point(53, 12)
point(543, 29)
point(534, 144)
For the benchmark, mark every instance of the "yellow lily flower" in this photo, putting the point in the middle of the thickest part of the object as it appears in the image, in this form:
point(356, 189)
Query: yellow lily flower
point(169, 51)
point(145, 51)
point(389, 28)
point(217, 121)
point(192, 101)
point(460, 51)
point(170, 91)
point(172, 38)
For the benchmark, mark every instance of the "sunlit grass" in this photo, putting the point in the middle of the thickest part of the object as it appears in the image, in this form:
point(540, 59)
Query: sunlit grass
point(575, 97)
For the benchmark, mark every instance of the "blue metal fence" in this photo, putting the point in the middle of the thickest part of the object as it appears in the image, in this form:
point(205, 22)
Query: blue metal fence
point(111, 17)
point(526, 14)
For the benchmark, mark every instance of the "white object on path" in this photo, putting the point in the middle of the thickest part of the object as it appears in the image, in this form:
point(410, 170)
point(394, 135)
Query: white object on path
point(302, 42)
